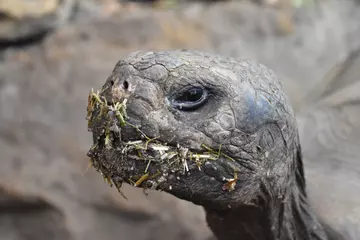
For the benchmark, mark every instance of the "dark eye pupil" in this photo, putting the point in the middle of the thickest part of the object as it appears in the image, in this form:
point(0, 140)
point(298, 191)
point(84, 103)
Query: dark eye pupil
point(193, 95)
point(190, 99)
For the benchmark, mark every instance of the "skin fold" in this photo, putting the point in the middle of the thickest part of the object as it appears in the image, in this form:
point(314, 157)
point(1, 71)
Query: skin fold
point(198, 103)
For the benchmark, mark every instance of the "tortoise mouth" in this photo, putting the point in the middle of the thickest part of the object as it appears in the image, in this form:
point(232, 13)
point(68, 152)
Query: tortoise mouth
point(137, 159)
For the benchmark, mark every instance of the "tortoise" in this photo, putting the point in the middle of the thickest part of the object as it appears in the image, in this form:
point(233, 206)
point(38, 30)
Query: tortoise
point(220, 132)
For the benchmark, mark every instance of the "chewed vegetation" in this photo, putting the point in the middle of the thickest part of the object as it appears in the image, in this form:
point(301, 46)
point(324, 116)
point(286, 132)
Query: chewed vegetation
point(107, 119)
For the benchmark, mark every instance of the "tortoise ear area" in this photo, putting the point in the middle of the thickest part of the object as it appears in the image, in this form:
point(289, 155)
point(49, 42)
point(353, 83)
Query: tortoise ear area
point(255, 113)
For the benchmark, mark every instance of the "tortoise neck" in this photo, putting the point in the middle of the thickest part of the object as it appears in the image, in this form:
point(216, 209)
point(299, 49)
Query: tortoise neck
point(288, 217)
point(285, 219)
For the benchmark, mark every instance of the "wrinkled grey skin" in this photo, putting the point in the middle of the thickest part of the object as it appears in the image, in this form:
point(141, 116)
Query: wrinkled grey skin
point(247, 114)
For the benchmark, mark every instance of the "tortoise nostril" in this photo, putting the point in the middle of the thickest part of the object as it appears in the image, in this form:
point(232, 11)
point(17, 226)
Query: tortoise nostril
point(119, 90)
point(126, 85)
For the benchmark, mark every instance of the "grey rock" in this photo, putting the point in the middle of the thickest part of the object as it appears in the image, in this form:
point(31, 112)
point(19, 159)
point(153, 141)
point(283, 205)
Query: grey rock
point(23, 20)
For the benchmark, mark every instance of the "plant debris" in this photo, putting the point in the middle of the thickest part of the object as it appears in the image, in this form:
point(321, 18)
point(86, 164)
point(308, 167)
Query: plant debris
point(109, 154)
point(231, 183)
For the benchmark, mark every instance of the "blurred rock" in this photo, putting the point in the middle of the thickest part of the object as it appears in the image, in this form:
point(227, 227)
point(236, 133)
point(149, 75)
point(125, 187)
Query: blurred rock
point(20, 215)
point(43, 94)
point(26, 8)
point(21, 20)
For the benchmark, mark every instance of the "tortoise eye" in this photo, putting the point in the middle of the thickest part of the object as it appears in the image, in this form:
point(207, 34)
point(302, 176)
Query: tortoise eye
point(190, 99)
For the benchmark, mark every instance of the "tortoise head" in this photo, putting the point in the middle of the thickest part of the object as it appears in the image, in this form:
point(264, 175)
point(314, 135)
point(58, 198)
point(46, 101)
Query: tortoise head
point(218, 132)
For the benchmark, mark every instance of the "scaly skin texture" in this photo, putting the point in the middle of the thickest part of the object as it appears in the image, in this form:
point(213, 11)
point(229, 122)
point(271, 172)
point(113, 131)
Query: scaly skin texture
point(255, 186)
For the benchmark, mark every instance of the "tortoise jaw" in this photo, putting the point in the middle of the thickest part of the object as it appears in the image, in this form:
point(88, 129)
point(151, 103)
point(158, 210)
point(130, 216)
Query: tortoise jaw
point(146, 163)
point(183, 178)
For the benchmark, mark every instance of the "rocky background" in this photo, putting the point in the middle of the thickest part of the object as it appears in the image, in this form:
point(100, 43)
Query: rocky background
point(53, 51)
